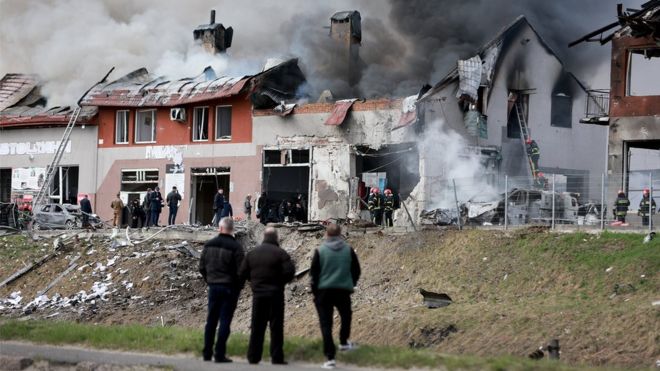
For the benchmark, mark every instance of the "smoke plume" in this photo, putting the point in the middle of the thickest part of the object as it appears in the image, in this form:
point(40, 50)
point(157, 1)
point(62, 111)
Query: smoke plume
point(71, 44)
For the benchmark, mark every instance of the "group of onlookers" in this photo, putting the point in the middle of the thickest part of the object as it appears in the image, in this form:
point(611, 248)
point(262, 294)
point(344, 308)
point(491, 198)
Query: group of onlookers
point(225, 267)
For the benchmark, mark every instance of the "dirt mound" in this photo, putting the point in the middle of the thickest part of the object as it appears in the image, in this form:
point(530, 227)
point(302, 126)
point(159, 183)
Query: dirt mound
point(512, 292)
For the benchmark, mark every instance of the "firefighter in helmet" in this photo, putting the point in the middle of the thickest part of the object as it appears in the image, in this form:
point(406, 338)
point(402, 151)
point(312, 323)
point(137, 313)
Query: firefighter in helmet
point(389, 203)
point(646, 207)
point(621, 206)
point(375, 204)
point(534, 154)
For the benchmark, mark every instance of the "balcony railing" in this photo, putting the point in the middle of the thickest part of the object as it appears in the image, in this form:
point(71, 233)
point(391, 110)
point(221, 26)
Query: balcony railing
point(598, 103)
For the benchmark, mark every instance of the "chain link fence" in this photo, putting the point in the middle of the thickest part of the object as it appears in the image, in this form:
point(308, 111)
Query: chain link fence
point(554, 200)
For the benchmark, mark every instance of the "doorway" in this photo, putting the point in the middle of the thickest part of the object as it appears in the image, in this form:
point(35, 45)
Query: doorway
point(5, 185)
point(205, 184)
point(286, 176)
point(64, 189)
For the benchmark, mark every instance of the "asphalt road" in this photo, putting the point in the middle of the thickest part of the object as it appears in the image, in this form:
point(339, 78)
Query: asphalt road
point(76, 355)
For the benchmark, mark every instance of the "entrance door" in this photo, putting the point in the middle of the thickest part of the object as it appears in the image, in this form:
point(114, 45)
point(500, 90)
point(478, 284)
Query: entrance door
point(205, 184)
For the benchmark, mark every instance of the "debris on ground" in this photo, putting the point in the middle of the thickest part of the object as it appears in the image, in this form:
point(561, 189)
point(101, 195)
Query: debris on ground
point(435, 300)
point(441, 217)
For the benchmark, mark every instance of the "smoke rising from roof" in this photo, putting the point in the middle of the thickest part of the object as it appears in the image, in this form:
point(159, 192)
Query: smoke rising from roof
point(71, 44)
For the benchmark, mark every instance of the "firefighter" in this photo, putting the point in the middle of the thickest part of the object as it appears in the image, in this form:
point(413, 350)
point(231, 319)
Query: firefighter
point(534, 153)
point(541, 181)
point(389, 204)
point(621, 206)
point(644, 204)
point(375, 203)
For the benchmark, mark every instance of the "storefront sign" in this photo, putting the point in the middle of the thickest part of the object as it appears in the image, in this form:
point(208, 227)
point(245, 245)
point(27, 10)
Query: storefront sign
point(32, 148)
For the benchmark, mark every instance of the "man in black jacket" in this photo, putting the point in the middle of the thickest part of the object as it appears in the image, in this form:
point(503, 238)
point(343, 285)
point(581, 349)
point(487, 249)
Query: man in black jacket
point(335, 271)
point(86, 209)
point(218, 205)
point(268, 268)
point(219, 265)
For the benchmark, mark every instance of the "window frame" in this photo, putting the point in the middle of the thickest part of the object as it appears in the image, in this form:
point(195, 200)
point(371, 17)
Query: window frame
point(194, 123)
point(225, 138)
point(629, 70)
point(128, 115)
point(555, 97)
point(153, 130)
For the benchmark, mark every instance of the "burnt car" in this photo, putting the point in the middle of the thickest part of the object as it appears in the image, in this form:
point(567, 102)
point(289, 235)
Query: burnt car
point(55, 216)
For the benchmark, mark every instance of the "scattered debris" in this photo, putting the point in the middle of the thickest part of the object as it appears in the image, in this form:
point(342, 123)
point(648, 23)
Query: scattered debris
point(435, 300)
point(430, 336)
point(57, 279)
point(649, 237)
point(609, 269)
point(440, 217)
point(26, 269)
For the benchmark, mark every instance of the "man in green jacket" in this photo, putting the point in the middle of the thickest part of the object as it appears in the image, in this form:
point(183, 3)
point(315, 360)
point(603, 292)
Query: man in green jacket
point(335, 271)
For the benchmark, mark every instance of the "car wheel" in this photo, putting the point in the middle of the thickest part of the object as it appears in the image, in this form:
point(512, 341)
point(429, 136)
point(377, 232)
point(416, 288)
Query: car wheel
point(36, 226)
point(69, 224)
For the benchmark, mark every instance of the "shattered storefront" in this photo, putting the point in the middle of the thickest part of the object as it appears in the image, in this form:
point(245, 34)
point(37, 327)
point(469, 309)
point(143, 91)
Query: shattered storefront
point(340, 150)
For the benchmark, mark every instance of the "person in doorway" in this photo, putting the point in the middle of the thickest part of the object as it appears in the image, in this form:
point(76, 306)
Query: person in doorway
point(262, 208)
point(334, 273)
point(247, 207)
point(300, 200)
point(117, 206)
point(389, 205)
point(299, 214)
point(86, 210)
point(173, 199)
point(219, 264)
point(156, 201)
point(534, 153)
point(137, 214)
point(375, 203)
point(218, 206)
point(646, 207)
point(146, 206)
point(268, 268)
point(621, 207)
point(227, 210)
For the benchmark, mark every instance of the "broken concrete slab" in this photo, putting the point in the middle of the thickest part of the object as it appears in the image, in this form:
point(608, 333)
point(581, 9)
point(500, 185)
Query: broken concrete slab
point(435, 300)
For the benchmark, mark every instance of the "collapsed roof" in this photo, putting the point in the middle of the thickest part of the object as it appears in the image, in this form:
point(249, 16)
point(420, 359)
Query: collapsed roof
point(22, 104)
point(142, 89)
point(638, 23)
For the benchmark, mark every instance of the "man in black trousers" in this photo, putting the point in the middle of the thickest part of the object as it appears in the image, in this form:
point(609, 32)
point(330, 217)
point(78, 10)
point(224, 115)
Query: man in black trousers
point(335, 271)
point(268, 268)
point(219, 264)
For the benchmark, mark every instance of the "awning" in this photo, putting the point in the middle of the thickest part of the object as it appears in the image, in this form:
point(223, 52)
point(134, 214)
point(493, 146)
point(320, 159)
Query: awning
point(408, 112)
point(339, 112)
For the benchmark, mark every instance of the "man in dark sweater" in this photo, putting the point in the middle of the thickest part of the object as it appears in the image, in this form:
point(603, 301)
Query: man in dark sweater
point(86, 209)
point(268, 268)
point(218, 205)
point(335, 272)
point(219, 264)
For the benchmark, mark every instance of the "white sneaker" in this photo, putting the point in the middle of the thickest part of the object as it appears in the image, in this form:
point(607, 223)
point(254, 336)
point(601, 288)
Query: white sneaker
point(346, 347)
point(329, 365)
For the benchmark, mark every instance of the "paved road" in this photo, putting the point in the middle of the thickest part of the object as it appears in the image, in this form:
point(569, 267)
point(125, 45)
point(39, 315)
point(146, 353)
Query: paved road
point(76, 355)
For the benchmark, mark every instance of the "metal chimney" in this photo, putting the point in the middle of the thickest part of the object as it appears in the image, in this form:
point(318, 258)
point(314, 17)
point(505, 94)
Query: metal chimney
point(212, 16)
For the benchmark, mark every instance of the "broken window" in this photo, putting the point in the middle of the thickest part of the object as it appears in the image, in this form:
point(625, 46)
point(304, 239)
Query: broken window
point(643, 76)
point(121, 127)
point(286, 157)
point(561, 111)
point(138, 180)
point(223, 122)
point(200, 124)
point(145, 126)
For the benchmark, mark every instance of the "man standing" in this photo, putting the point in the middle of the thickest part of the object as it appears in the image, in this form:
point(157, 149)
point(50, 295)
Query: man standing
point(389, 204)
point(262, 208)
point(646, 207)
point(156, 201)
point(86, 210)
point(146, 205)
point(117, 206)
point(621, 207)
point(219, 264)
point(247, 207)
point(218, 206)
point(335, 271)
point(227, 210)
point(137, 214)
point(173, 199)
point(375, 203)
point(268, 268)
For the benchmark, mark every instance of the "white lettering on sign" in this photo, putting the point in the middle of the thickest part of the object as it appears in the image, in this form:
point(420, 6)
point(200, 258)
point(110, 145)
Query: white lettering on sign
point(32, 148)
point(173, 153)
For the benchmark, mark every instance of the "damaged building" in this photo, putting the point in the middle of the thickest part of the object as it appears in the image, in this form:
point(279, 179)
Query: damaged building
point(30, 133)
point(515, 88)
point(633, 117)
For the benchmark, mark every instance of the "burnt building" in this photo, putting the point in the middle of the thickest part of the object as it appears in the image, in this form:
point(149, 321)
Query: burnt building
point(214, 37)
point(633, 115)
point(346, 32)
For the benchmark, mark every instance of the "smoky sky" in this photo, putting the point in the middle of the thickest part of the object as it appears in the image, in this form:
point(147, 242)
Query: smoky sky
point(71, 44)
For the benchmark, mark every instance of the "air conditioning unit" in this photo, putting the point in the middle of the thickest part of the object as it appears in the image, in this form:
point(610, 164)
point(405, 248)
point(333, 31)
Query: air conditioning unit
point(178, 114)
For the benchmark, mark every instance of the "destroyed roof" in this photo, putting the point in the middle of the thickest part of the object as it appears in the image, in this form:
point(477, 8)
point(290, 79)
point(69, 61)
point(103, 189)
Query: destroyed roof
point(342, 16)
point(142, 89)
point(492, 49)
point(636, 23)
point(21, 104)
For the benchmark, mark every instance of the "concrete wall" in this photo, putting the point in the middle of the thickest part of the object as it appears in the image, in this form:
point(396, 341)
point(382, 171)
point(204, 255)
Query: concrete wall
point(83, 151)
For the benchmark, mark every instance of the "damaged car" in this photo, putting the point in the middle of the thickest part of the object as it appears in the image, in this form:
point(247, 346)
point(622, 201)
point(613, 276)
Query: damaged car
point(56, 216)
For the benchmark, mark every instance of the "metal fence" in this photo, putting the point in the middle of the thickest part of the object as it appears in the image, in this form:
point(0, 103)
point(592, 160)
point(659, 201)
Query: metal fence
point(556, 200)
